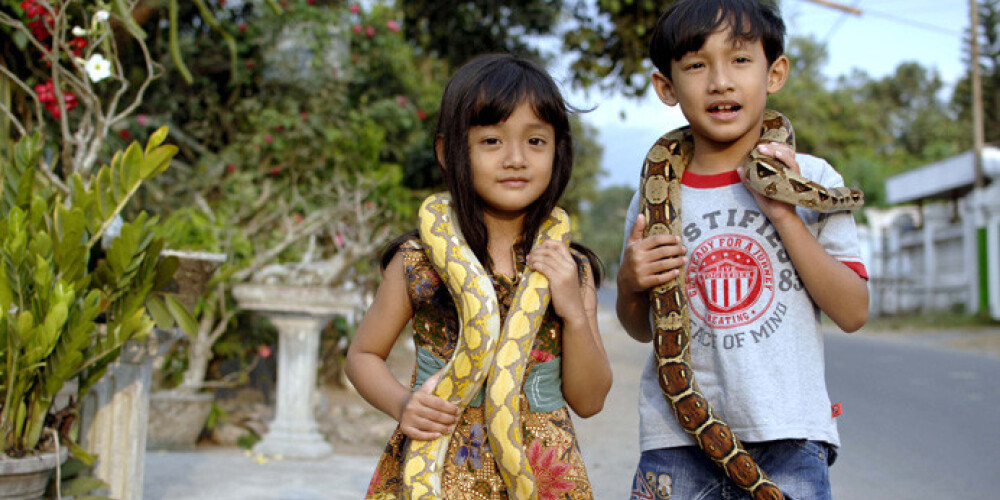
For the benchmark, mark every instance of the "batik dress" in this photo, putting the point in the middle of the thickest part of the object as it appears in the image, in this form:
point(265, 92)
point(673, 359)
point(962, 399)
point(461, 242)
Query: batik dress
point(470, 472)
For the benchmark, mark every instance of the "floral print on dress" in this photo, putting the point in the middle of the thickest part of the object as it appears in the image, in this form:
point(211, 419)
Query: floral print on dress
point(548, 471)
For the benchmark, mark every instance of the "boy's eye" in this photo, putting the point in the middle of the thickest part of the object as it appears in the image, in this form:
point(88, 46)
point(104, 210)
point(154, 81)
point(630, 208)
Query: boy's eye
point(691, 66)
point(742, 59)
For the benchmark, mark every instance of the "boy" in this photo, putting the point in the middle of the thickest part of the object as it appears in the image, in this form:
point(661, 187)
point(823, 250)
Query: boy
point(757, 352)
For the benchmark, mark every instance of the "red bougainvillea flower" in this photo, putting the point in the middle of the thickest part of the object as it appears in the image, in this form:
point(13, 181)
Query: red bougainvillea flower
point(356, 28)
point(304, 115)
point(355, 8)
point(311, 2)
point(548, 471)
point(264, 351)
point(242, 27)
point(47, 96)
point(275, 171)
point(401, 100)
point(268, 138)
point(142, 120)
point(392, 25)
point(124, 134)
point(370, 31)
point(541, 356)
point(77, 45)
point(230, 168)
point(421, 114)
point(298, 218)
point(338, 239)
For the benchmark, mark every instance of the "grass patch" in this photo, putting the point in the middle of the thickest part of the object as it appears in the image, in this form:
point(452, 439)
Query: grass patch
point(933, 321)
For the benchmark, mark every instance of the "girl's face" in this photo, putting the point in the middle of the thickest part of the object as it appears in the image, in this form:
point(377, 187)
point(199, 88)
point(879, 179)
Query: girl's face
point(512, 161)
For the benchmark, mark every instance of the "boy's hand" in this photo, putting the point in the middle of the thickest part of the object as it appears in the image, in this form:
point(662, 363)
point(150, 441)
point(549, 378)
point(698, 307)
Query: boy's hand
point(426, 416)
point(775, 211)
point(649, 262)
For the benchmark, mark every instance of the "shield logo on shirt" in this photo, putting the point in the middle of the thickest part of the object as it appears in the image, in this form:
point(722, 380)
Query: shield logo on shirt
point(730, 281)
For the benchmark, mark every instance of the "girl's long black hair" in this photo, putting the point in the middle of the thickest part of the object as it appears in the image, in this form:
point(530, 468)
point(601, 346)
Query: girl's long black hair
point(486, 91)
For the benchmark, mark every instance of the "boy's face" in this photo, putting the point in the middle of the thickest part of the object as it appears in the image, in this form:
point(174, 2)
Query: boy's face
point(722, 88)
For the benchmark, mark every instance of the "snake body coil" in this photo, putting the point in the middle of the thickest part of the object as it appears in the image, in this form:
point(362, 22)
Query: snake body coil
point(660, 190)
point(482, 349)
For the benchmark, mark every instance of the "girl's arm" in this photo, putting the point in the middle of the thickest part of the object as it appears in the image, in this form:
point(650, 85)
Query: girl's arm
point(586, 372)
point(836, 288)
point(420, 414)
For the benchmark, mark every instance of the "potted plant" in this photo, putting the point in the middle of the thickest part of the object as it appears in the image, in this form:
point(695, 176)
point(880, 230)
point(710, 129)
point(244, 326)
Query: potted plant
point(70, 296)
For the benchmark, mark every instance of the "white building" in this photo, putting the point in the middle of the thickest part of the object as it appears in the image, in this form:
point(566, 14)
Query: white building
point(938, 248)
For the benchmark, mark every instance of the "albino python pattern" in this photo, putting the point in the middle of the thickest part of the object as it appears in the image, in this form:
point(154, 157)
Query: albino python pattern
point(482, 347)
point(661, 187)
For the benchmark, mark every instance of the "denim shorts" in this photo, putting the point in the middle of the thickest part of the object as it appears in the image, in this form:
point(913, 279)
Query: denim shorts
point(800, 468)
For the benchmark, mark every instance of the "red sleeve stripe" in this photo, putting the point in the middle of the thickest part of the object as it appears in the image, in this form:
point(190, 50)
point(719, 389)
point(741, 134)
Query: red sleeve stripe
point(857, 267)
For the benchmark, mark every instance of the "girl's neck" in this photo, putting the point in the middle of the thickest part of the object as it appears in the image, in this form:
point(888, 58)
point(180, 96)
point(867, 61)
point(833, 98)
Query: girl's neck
point(502, 232)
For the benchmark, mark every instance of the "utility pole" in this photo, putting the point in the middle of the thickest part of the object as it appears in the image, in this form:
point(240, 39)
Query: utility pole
point(977, 97)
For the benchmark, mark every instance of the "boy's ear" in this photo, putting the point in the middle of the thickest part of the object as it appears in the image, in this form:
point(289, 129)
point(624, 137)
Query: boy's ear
point(777, 74)
point(664, 88)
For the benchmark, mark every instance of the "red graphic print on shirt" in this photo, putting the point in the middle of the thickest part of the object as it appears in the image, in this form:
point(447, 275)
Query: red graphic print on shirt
point(730, 281)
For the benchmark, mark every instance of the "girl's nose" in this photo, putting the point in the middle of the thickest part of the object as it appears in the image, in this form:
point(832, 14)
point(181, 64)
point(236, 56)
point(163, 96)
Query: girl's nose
point(515, 157)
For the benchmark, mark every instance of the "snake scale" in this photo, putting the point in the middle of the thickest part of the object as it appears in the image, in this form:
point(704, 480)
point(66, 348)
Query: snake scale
point(484, 352)
point(662, 172)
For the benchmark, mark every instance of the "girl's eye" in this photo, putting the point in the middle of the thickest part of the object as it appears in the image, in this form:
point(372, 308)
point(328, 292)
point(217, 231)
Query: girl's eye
point(537, 141)
point(490, 140)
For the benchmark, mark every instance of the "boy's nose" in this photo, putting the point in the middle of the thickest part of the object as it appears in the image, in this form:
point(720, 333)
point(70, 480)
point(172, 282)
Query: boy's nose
point(720, 82)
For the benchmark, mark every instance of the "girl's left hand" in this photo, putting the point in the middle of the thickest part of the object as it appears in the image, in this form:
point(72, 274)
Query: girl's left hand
point(775, 211)
point(553, 259)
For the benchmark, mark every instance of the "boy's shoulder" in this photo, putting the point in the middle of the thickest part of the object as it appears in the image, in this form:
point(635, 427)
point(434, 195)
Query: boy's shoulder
point(818, 170)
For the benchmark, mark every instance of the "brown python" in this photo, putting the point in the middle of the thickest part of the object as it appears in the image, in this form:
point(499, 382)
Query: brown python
point(483, 348)
point(660, 190)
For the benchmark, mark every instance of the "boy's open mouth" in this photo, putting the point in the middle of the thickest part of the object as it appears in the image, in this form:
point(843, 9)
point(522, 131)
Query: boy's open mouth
point(724, 108)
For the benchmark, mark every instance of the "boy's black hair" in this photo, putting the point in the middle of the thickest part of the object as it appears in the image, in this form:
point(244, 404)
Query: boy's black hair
point(486, 91)
point(686, 24)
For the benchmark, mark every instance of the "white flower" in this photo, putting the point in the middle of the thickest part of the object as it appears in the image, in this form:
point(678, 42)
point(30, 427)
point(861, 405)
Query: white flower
point(101, 16)
point(98, 68)
point(78, 31)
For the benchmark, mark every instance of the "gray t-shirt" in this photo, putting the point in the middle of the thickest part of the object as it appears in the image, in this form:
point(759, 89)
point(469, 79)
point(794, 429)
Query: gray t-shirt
point(756, 348)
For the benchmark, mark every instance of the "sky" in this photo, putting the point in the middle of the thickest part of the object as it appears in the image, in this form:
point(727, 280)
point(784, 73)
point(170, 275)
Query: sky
point(887, 33)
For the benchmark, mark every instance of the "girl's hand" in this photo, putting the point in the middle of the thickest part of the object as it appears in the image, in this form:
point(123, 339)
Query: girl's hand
point(426, 416)
point(553, 259)
point(775, 211)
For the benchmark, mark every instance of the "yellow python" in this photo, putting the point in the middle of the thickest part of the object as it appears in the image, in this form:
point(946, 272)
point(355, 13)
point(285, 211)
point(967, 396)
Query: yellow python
point(483, 351)
point(660, 190)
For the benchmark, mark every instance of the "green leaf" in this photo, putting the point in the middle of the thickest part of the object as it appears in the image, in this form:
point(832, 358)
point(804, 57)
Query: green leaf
point(158, 310)
point(156, 138)
point(80, 485)
point(157, 160)
point(183, 317)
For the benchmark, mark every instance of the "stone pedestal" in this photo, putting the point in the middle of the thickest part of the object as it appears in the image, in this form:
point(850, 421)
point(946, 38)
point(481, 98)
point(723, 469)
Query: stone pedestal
point(115, 413)
point(299, 313)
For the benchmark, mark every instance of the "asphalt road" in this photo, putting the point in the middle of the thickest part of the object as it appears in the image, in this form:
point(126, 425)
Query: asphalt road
point(919, 421)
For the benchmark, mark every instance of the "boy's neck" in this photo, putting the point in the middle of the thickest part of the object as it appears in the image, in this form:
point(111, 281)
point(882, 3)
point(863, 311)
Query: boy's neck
point(711, 157)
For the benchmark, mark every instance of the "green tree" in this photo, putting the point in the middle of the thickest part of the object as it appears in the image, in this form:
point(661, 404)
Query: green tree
point(601, 224)
point(456, 30)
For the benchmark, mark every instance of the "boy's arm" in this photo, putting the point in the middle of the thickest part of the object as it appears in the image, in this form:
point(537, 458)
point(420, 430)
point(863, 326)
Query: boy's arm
point(838, 291)
point(646, 263)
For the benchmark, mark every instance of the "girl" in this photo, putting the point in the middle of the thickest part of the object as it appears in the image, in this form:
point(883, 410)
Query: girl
point(503, 142)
